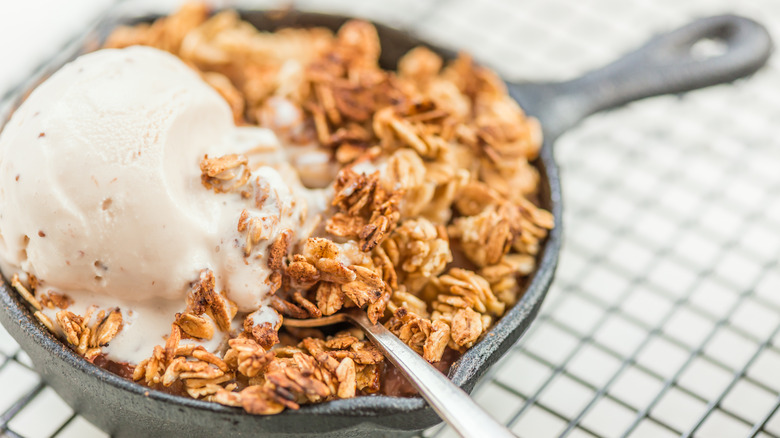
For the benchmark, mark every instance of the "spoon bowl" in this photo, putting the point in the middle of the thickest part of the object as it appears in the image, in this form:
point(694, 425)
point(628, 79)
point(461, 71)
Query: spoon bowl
point(451, 403)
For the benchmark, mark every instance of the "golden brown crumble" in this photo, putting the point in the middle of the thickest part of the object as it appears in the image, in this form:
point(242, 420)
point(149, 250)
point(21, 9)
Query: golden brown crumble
point(225, 173)
point(366, 209)
point(419, 251)
point(432, 237)
point(83, 334)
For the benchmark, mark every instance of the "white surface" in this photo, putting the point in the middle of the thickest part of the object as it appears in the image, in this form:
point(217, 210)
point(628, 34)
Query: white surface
point(31, 30)
point(672, 230)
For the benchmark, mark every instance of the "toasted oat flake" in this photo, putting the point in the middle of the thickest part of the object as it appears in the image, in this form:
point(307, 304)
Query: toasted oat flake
point(466, 327)
point(195, 326)
point(108, 328)
point(225, 173)
point(40, 316)
point(345, 372)
point(26, 294)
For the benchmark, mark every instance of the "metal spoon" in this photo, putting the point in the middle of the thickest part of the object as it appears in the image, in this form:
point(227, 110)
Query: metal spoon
point(451, 403)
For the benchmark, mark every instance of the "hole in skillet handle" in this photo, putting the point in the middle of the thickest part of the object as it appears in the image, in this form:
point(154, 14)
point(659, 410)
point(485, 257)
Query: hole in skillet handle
point(707, 48)
point(705, 52)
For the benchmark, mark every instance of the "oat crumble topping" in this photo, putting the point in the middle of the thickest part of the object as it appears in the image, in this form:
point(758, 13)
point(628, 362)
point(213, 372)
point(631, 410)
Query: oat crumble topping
point(433, 219)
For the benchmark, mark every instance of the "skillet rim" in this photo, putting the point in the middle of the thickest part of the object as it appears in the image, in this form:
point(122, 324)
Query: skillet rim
point(464, 372)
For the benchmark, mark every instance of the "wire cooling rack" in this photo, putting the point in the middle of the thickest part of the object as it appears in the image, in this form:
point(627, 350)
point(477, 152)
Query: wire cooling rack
point(664, 316)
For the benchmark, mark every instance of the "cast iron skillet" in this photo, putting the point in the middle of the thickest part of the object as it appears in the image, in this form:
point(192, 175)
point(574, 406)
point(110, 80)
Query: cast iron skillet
point(663, 65)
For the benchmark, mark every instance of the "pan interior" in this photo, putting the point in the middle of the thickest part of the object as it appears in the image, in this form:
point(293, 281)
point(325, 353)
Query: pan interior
point(470, 366)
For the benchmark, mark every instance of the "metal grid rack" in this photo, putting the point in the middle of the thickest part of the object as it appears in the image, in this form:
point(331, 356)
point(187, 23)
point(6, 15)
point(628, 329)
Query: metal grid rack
point(665, 313)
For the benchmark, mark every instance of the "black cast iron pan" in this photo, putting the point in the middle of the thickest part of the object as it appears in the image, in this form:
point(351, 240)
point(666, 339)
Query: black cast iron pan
point(664, 65)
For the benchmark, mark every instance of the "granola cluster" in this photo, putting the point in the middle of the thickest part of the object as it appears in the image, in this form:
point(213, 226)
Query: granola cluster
point(86, 333)
point(432, 226)
point(264, 381)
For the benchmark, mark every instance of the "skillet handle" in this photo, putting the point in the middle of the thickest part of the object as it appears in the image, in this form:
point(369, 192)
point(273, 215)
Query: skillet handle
point(668, 63)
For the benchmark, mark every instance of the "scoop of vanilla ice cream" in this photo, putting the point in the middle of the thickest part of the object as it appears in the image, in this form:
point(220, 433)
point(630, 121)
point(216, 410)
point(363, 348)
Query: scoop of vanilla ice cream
point(101, 192)
point(101, 195)
point(99, 179)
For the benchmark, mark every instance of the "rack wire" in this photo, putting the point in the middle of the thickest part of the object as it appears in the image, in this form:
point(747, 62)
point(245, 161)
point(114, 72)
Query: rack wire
point(664, 318)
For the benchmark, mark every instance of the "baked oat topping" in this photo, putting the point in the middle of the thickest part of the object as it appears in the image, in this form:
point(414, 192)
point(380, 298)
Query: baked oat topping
point(433, 220)
point(224, 174)
point(85, 334)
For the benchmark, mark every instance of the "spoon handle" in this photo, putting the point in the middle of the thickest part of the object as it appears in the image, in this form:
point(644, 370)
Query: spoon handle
point(449, 401)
